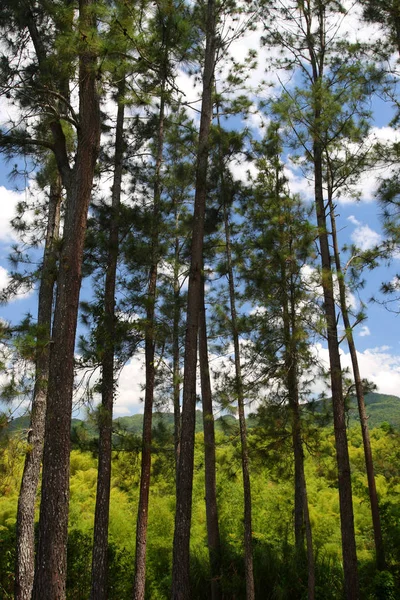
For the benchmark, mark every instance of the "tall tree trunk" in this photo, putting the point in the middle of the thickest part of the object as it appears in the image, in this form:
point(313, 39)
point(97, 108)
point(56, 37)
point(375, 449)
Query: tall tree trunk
point(181, 550)
point(379, 548)
point(248, 545)
point(100, 538)
point(50, 575)
point(317, 62)
point(342, 454)
point(213, 537)
point(302, 518)
point(310, 550)
point(25, 565)
point(176, 377)
point(143, 507)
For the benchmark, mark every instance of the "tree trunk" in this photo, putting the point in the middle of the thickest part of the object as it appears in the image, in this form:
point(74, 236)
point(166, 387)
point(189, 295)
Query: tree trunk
point(310, 551)
point(214, 544)
point(25, 565)
point(317, 62)
point(342, 454)
point(302, 518)
point(181, 549)
point(50, 575)
point(100, 538)
point(175, 351)
point(379, 548)
point(143, 508)
point(248, 545)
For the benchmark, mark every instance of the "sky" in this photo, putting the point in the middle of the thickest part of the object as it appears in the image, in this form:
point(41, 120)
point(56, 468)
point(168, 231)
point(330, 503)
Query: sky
point(359, 222)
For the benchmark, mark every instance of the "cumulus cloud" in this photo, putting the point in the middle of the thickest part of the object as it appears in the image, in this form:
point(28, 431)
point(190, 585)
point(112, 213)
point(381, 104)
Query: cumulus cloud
point(3, 277)
point(353, 220)
point(9, 201)
point(364, 331)
point(24, 291)
point(130, 393)
point(365, 238)
point(380, 365)
point(298, 183)
point(8, 110)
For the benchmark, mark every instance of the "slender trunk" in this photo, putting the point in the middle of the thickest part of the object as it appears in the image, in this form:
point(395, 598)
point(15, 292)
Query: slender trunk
point(214, 544)
point(248, 545)
point(181, 550)
point(310, 551)
point(50, 575)
point(291, 336)
point(100, 537)
point(303, 524)
point(291, 371)
point(25, 566)
point(317, 51)
point(302, 518)
point(379, 548)
point(142, 518)
point(175, 351)
point(342, 454)
point(298, 466)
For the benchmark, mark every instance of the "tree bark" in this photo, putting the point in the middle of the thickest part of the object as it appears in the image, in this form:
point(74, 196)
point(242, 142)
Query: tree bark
point(100, 538)
point(213, 537)
point(143, 508)
point(50, 575)
point(342, 454)
point(248, 544)
point(25, 565)
point(176, 376)
point(302, 518)
point(181, 549)
point(317, 51)
point(379, 548)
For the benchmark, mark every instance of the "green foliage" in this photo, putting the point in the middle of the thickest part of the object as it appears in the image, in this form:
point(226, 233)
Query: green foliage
point(7, 561)
point(279, 573)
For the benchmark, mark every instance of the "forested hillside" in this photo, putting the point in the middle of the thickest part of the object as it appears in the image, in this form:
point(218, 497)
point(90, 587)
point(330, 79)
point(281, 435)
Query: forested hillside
point(277, 571)
point(381, 408)
point(182, 246)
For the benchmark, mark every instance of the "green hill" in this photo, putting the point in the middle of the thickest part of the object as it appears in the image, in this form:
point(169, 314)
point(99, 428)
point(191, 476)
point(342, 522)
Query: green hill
point(380, 408)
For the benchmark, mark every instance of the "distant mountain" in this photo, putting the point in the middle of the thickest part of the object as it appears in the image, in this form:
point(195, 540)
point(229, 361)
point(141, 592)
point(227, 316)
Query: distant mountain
point(380, 408)
point(21, 425)
point(134, 423)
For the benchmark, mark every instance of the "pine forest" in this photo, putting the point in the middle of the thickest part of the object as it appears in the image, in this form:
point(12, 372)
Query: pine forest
point(185, 411)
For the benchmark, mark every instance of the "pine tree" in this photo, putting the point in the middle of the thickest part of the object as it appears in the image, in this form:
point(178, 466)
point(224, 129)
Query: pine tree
point(280, 239)
point(46, 74)
point(30, 479)
point(100, 539)
point(213, 535)
point(315, 114)
point(181, 549)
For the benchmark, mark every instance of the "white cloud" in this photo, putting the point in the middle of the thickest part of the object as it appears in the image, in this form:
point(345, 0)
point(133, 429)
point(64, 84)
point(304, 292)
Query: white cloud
point(378, 365)
point(24, 292)
point(129, 393)
point(367, 183)
point(9, 201)
point(365, 238)
point(298, 182)
point(364, 331)
point(240, 170)
point(3, 277)
point(353, 220)
point(8, 110)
